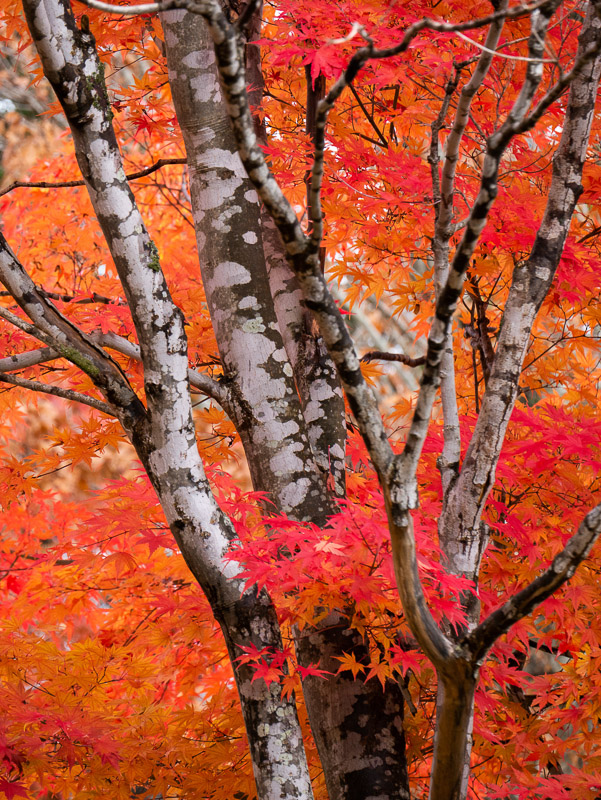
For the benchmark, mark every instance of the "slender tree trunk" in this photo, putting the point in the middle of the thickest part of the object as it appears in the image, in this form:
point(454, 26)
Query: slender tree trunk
point(452, 736)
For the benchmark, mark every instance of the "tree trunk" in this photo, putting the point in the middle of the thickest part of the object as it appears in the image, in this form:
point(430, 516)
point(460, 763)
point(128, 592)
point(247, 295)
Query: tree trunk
point(305, 402)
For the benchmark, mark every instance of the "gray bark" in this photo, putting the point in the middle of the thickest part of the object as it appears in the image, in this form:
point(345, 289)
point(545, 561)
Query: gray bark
point(273, 419)
point(163, 433)
point(279, 402)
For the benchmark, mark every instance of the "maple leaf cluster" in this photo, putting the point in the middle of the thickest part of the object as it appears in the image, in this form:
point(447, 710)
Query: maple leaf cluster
point(113, 678)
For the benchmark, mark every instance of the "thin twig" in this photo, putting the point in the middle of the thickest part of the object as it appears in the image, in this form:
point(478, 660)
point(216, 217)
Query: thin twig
point(68, 298)
point(505, 55)
point(162, 162)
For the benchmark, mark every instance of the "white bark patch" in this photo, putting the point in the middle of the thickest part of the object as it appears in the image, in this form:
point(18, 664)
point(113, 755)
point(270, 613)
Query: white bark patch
point(280, 355)
point(320, 391)
point(193, 504)
point(172, 18)
point(217, 190)
point(131, 226)
point(251, 196)
point(201, 238)
point(97, 122)
point(261, 348)
point(555, 229)
point(115, 201)
point(216, 158)
point(336, 451)
point(294, 494)
point(518, 326)
point(286, 460)
point(221, 222)
point(53, 28)
point(254, 326)
point(250, 237)
point(329, 329)
point(228, 273)
point(206, 88)
point(248, 302)
point(199, 59)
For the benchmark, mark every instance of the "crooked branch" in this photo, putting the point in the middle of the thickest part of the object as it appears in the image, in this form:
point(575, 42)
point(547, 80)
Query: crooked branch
point(482, 638)
point(379, 355)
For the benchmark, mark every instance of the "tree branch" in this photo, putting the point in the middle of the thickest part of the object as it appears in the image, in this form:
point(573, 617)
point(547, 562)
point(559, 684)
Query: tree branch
point(482, 638)
point(198, 380)
point(57, 391)
point(379, 355)
point(28, 359)
point(444, 228)
point(453, 288)
point(531, 282)
point(205, 8)
point(55, 330)
point(162, 162)
point(68, 298)
point(146, 8)
point(442, 197)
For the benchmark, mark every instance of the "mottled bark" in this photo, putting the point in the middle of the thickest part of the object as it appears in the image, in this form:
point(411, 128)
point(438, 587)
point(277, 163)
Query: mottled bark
point(227, 220)
point(358, 729)
point(298, 485)
point(163, 433)
point(360, 737)
point(463, 538)
point(314, 372)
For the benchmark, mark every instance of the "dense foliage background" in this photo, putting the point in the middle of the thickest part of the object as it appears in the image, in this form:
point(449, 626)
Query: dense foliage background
point(114, 681)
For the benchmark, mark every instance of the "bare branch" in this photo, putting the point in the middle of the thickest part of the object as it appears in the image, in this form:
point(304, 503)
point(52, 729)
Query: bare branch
point(482, 638)
point(31, 358)
point(531, 281)
point(57, 391)
point(446, 27)
point(205, 8)
point(68, 298)
point(146, 8)
point(442, 198)
point(378, 355)
point(451, 292)
point(24, 326)
point(198, 380)
point(533, 277)
point(508, 56)
point(369, 118)
point(162, 162)
point(444, 228)
point(55, 330)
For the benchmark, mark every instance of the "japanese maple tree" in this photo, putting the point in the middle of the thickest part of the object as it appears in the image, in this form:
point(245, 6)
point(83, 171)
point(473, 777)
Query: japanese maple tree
point(233, 564)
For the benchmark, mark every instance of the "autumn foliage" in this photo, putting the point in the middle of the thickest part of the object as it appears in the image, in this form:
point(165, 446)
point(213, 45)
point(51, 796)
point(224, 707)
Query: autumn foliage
point(114, 680)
